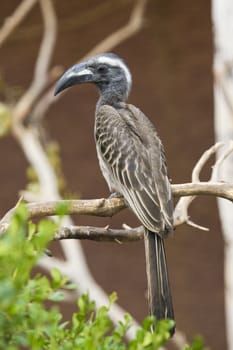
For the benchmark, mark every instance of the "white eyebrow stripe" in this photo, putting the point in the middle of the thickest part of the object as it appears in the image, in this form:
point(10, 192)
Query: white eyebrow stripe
point(116, 62)
point(72, 73)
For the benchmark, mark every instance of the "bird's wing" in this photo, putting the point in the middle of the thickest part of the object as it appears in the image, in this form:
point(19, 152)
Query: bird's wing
point(135, 157)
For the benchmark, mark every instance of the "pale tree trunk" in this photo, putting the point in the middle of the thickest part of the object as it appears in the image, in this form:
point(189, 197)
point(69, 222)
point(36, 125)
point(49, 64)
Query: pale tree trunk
point(222, 14)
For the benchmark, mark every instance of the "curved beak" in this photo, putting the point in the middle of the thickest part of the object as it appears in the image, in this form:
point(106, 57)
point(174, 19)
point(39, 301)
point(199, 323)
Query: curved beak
point(78, 74)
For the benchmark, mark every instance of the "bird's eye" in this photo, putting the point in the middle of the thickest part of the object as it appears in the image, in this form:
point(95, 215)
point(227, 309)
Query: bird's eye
point(102, 68)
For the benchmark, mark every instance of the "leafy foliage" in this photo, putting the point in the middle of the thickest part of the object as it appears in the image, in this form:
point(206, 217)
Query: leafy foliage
point(26, 321)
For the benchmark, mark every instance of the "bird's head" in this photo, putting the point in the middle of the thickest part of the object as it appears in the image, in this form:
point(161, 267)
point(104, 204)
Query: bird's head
point(107, 71)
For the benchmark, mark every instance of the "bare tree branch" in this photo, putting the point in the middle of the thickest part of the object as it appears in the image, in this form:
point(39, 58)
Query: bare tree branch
point(221, 72)
point(204, 159)
point(111, 206)
point(179, 340)
point(218, 189)
point(131, 28)
point(181, 210)
point(15, 19)
point(97, 207)
point(28, 139)
point(216, 168)
point(104, 234)
point(222, 11)
point(40, 79)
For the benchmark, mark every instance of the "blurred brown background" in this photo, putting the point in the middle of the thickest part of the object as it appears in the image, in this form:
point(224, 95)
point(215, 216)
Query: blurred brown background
point(171, 64)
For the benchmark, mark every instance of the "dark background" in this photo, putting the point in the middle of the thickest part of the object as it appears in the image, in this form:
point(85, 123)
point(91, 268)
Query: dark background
point(171, 64)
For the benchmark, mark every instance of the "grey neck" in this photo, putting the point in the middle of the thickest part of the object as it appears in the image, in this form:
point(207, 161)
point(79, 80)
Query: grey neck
point(112, 94)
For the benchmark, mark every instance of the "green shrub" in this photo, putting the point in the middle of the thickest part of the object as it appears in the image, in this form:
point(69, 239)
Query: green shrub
point(26, 322)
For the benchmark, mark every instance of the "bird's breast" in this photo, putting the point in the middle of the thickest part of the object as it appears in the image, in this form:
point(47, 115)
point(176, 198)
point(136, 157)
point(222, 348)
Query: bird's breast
point(105, 169)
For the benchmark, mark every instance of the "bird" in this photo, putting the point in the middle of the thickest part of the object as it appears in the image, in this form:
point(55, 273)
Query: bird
point(132, 160)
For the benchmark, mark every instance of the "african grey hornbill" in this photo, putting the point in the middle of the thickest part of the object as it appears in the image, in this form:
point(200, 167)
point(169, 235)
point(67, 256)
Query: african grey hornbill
point(132, 160)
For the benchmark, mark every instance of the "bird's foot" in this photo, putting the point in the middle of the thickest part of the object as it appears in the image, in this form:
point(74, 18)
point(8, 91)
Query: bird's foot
point(115, 195)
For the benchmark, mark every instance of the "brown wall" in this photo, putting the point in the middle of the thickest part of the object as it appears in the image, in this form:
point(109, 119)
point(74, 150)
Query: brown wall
point(171, 61)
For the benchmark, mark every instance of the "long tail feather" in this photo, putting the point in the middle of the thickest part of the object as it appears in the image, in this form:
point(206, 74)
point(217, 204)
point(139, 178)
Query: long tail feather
point(159, 294)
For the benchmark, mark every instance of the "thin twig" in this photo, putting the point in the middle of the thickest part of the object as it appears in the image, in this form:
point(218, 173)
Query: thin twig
point(12, 22)
point(28, 139)
point(220, 160)
point(204, 159)
point(40, 79)
point(179, 340)
point(181, 209)
point(41, 106)
point(131, 28)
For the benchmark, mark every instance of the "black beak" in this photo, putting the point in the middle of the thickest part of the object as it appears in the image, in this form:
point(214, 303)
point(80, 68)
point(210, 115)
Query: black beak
point(79, 73)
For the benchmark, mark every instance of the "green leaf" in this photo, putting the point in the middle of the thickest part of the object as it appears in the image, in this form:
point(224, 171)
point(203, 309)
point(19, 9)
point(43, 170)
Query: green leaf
point(56, 277)
point(5, 119)
point(63, 208)
point(198, 344)
point(56, 296)
point(31, 230)
point(70, 286)
point(113, 298)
